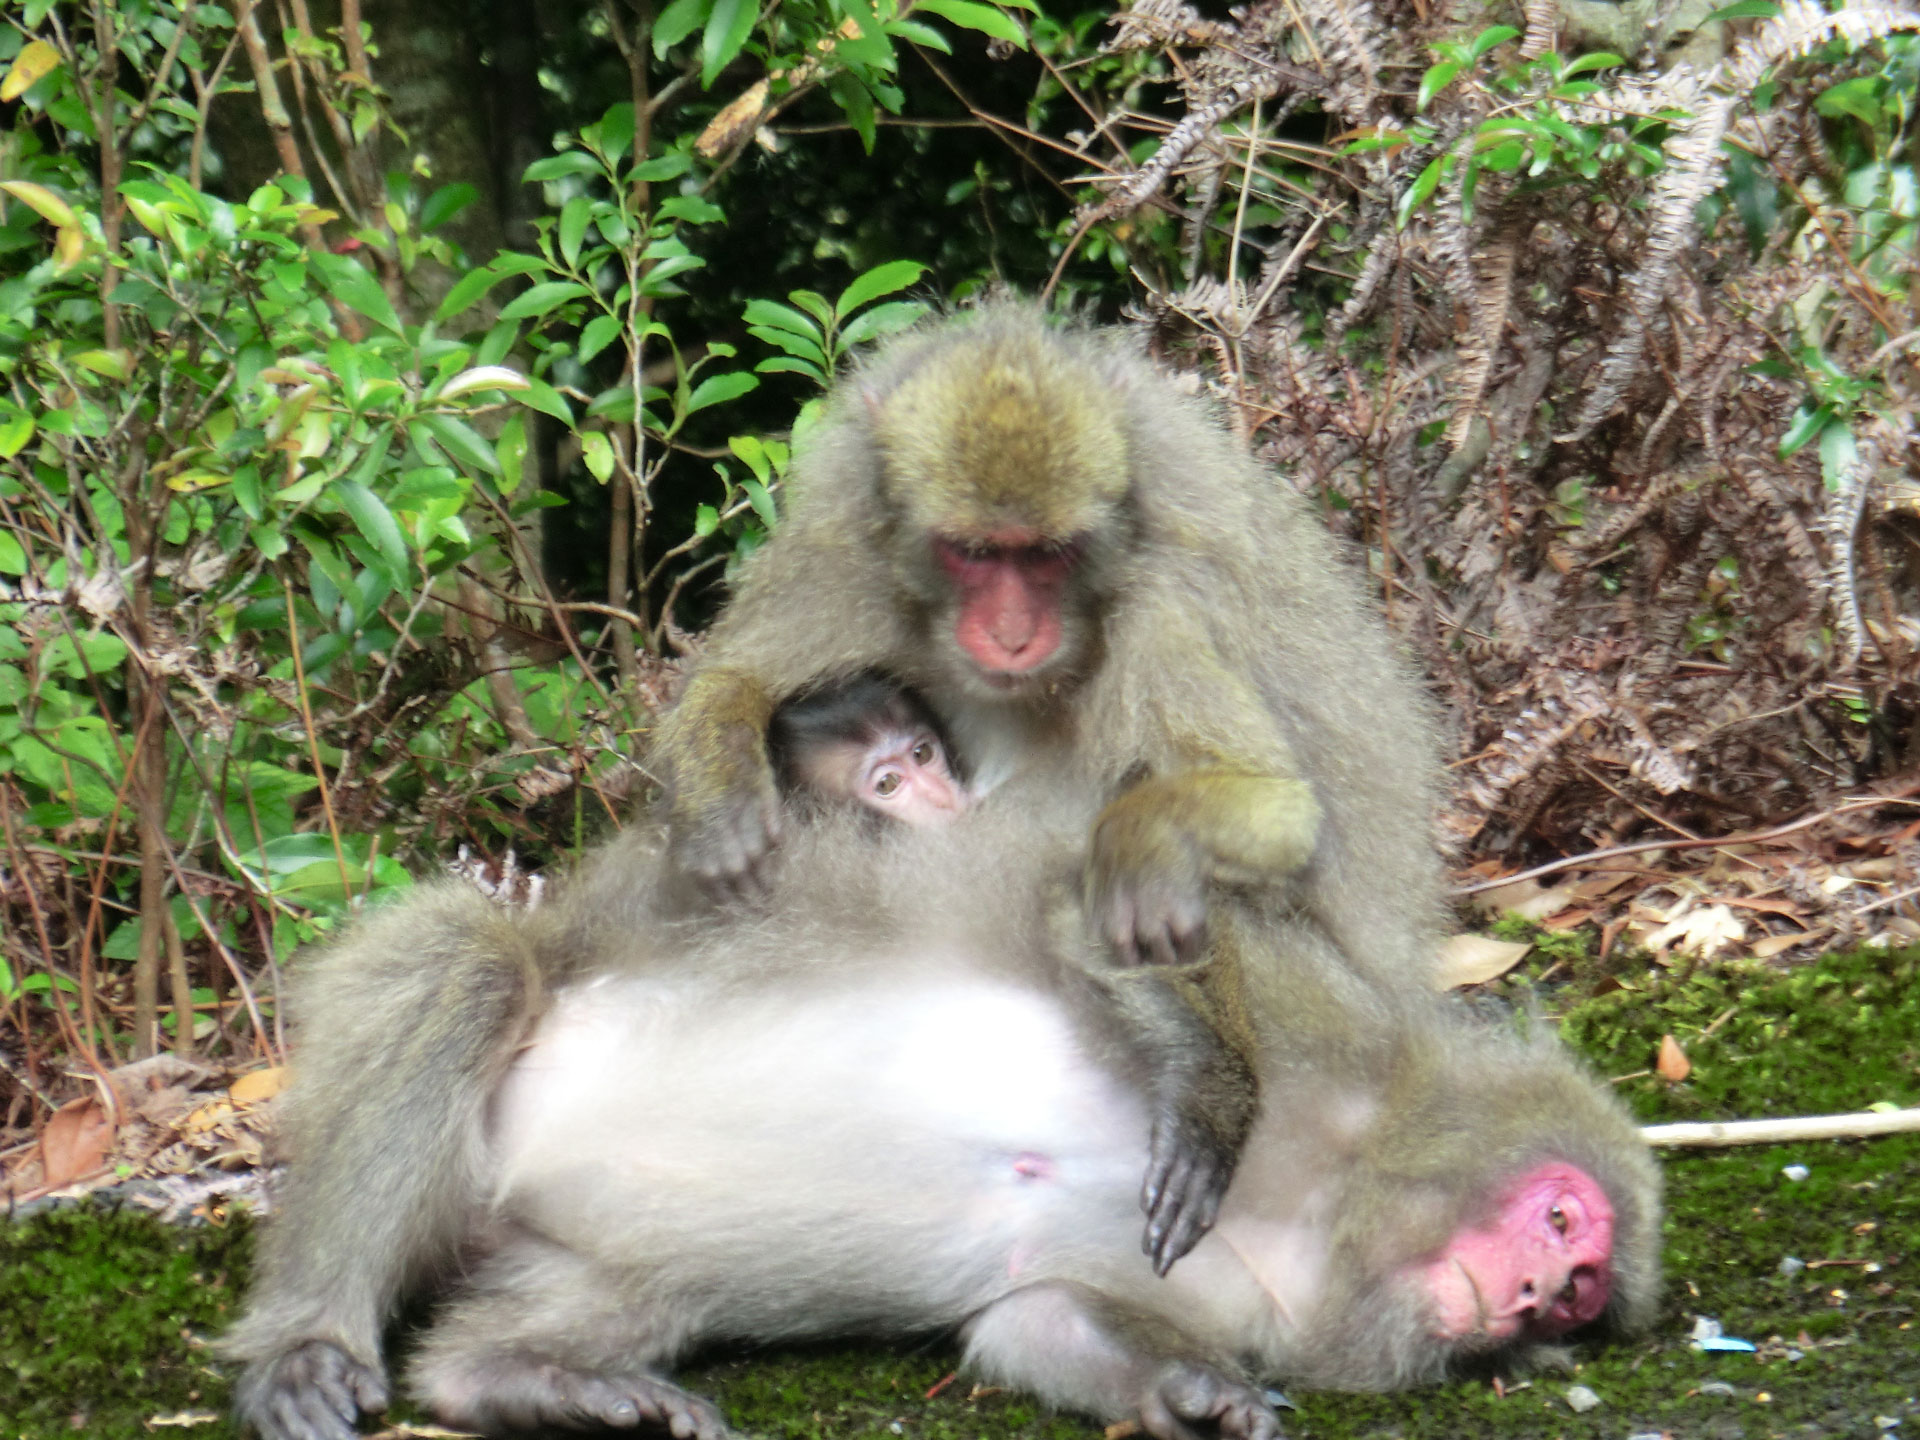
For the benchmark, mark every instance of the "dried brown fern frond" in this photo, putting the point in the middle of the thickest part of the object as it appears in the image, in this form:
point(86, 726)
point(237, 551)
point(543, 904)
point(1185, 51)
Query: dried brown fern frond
point(1692, 173)
point(1803, 24)
point(1486, 323)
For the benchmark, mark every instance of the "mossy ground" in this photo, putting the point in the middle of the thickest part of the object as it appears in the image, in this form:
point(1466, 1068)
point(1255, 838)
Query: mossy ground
point(103, 1317)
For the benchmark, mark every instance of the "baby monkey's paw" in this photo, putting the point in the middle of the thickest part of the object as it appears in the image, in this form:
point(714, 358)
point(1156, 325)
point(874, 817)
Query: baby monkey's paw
point(1188, 1170)
point(316, 1391)
point(1189, 1402)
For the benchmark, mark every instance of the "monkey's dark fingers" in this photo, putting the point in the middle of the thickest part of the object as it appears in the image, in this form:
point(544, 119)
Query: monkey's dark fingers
point(317, 1392)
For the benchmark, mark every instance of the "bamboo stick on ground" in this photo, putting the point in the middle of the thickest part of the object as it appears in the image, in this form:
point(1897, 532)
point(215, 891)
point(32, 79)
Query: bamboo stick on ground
point(1768, 1132)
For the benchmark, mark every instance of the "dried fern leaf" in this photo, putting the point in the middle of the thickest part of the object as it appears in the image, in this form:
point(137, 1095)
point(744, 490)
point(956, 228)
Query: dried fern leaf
point(1487, 320)
point(1803, 24)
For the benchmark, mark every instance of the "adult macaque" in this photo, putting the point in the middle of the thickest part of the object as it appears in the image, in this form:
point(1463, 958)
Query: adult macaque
point(871, 741)
point(1072, 562)
point(889, 1108)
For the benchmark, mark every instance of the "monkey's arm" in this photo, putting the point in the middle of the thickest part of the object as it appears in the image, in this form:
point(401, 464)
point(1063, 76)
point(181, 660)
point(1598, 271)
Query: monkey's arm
point(1083, 1350)
point(723, 806)
point(404, 1030)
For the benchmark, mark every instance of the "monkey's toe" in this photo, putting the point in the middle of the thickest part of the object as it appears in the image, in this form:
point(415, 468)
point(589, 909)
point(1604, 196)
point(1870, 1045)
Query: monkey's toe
point(1188, 1171)
point(1189, 1402)
point(505, 1397)
point(315, 1391)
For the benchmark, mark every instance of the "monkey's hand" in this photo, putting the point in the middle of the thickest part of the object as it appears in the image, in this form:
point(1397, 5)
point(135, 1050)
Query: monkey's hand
point(1156, 848)
point(1187, 1402)
point(1147, 882)
point(316, 1391)
point(1188, 1171)
point(723, 817)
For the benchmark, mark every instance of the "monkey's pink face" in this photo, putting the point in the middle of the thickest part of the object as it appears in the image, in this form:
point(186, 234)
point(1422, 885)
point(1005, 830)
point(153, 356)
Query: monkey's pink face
point(1009, 589)
point(1540, 1268)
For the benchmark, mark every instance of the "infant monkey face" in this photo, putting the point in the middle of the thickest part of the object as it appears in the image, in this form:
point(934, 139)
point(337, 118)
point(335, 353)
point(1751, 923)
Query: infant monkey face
point(907, 777)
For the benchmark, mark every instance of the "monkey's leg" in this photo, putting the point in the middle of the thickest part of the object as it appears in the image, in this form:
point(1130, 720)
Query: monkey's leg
point(1156, 849)
point(1083, 1351)
point(723, 808)
point(541, 1340)
point(405, 1029)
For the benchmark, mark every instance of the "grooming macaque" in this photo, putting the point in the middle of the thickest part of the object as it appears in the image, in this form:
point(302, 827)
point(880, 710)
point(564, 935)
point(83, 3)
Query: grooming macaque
point(885, 1107)
point(1082, 572)
point(870, 741)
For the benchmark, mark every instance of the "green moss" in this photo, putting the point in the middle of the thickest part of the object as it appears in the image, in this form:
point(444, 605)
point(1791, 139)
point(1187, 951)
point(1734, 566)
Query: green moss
point(103, 1318)
point(99, 1314)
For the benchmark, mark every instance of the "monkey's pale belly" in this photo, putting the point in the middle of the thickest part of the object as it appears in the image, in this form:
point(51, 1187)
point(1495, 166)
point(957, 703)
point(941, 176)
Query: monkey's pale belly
point(954, 1143)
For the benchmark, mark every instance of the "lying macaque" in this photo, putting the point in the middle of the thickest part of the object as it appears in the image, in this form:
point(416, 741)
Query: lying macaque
point(870, 740)
point(883, 1107)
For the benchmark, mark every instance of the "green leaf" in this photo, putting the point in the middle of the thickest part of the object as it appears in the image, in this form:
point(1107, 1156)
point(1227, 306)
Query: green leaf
point(445, 203)
point(727, 30)
point(1437, 78)
point(541, 299)
point(1745, 10)
point(783, 317)
point(600, 332)
point(467, 289)
point(706, 520)
point(914, 33)
point(761, 501)
point(1838, 452)
point(670, 166)
point(691, 209)
point(1598, 60)
point(13, 558)
point(597, 453)
point(510, 450)
point(856, 102)
point(354, 286)
point(567, 162)
point(1808, 421)
point(615, 130)
point(793, 344)
point(881, 320)
point(676, 22)
point(1487, 39)
point(15, 431)
point(372, 518)
point(718, 389)
point(750, 449)
point(547, 400)
point(778, 363)
point(1424, 185)
point(461, 441)
point(1860, 97)
point(881, 280)
point(971, 16)
point(574, 218)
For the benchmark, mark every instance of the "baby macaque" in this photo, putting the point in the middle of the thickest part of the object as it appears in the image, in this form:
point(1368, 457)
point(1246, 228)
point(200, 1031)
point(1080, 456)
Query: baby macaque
point(869, 740)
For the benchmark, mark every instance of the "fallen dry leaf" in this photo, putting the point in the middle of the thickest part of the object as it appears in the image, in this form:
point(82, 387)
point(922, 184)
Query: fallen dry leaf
point(1699, 931)
point(1528, 899)
point(1476, 959)
point(75, 1143)
point(1768, 946)
point(258, 1085)
point(183, 1419)
point(1673, 1065)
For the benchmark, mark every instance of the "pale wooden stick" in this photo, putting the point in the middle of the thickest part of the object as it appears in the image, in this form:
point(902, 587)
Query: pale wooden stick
point(1767, 1132)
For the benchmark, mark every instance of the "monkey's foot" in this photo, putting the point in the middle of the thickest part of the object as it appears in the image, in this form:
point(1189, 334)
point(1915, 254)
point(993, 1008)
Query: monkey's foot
point(316, 1391)
point(505, 1396)
point(1188, 1402)
point(1188, 1171)
point(1146, 888)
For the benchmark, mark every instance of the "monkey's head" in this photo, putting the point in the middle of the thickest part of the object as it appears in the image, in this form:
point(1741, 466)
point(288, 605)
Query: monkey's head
point(1004, 473)
point(868, 740)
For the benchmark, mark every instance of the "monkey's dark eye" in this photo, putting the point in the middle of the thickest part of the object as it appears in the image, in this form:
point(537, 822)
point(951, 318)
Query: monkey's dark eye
point(1557, 1218)
point(1569, 1293)
point(884, 785)
point(923, 753)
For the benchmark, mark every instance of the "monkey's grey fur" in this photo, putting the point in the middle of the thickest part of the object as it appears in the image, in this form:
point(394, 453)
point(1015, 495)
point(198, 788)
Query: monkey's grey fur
point(745, 1157)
